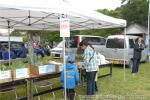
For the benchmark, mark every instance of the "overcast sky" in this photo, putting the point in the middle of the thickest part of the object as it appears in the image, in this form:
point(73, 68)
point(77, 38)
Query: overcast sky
point(97, 4)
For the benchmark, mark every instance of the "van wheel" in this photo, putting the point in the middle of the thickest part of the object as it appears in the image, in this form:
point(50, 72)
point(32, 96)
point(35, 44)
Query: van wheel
point(131, 64)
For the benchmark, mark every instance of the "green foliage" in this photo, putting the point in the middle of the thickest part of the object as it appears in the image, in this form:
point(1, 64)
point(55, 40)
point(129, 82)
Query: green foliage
point(3, 67)
point(14, 65)
point(47, 35)
point(44, 60)
point(79, 58)
point(101, 32)
point(113, 13)
point(17, 64)
point(135, 11)
point(50, 36)
point(25, 38)
point(15, 33)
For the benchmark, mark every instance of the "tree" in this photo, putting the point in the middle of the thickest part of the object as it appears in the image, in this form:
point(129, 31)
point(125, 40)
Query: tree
point(134, 11)
point(113, 13)
point(15, 33)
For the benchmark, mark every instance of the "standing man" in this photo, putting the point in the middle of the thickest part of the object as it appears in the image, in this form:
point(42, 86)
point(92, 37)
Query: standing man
point(138, 47)
point(90, 66)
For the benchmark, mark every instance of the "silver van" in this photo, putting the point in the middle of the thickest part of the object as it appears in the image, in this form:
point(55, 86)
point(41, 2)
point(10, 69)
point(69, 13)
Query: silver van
point(72, 43)
point(115, 51)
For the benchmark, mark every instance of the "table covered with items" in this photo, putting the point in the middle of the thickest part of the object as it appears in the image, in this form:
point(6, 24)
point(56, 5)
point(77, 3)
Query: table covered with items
point(34, 74)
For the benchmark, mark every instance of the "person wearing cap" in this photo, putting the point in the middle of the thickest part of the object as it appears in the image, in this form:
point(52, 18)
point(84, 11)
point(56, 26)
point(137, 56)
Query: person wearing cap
point(72, 77)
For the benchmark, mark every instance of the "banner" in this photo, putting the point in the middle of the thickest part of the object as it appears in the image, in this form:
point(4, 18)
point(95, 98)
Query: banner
point(64, 27)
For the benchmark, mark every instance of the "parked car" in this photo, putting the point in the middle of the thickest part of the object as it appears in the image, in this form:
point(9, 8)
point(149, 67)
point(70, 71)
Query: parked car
point(115, 49)
point(72, 43)
point(16, 44)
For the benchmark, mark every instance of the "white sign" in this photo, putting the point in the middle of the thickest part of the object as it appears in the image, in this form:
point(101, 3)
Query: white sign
point(43, 69)
point(47, 69)
point(64, 27)
point(22, 73)
point(5, 74)
point(51, 68)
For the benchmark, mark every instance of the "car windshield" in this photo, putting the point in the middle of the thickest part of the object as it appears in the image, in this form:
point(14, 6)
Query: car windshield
point(60, 45)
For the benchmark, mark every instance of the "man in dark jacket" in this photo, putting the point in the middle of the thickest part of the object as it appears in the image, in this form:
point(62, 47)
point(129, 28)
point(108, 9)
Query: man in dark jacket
point(138, 47)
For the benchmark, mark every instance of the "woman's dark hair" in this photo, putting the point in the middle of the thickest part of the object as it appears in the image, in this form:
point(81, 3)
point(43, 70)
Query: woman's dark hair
point(86, 43)
point(142, 41)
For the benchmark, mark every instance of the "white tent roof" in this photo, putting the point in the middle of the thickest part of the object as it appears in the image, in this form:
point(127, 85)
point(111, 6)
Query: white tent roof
point(44, 14)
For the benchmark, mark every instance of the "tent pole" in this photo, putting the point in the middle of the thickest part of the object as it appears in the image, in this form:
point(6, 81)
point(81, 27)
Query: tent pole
point(124, 63)
point(64, 63)
point(9, 41)
point(148, 38)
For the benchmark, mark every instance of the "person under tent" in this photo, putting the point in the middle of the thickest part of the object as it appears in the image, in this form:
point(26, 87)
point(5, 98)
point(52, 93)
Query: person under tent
point(5, 53)
point(22, 53)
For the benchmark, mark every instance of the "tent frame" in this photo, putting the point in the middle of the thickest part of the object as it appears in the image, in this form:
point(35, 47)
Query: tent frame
point(49, 24)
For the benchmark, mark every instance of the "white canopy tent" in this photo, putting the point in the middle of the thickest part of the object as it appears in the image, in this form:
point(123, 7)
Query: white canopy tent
point(45, 14)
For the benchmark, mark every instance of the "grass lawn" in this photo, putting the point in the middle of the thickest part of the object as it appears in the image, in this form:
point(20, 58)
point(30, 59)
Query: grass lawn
point(135, 87)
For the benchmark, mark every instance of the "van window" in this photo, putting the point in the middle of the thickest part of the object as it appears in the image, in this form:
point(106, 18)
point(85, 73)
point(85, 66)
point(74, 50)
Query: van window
point(71, 42)
point(131, 43)
point(95, 40)
point(115, 43)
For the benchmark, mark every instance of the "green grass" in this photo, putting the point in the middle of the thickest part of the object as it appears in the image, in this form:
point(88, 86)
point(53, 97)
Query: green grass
point(110, 88)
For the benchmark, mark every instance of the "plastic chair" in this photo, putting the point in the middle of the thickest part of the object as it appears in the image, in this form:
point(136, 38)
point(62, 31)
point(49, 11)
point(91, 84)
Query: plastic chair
point(43, 84)
point(9, 89)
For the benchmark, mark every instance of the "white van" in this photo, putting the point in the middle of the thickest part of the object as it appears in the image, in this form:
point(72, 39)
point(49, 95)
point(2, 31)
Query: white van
point(114, 50)
point(72, 43)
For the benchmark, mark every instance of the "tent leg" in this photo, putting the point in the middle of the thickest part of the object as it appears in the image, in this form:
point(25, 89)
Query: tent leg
point(124, 63)
point(148, 36)
point(64, 61)
point(9, 41)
